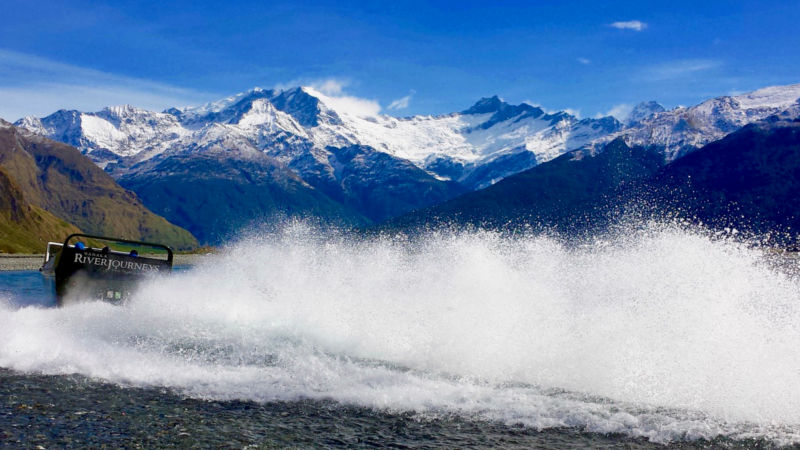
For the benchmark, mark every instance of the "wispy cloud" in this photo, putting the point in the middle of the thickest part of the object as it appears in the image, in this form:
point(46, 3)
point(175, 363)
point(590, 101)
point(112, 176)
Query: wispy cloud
point(32, 85)
point(619, 112)
point(585, 61)
point(573, 111)
point(327, 85)
point(330, 86)
point(402, 102)
point(332, 92)
point(679, 69)
point(635, 25)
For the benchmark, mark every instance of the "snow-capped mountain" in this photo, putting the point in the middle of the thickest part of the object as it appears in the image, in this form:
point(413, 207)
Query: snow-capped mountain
point(322, 147)
point(113, 133)
point(681, 130)
point(477, 146)
point(453, 146)
point(302, 122)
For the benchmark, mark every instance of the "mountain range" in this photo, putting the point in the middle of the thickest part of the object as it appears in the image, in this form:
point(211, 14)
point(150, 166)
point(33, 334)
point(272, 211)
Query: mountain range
point(215, 168)
point(749, 181)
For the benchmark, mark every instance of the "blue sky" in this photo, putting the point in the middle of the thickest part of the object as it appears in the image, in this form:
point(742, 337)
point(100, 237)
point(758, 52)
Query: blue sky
point(591, 57)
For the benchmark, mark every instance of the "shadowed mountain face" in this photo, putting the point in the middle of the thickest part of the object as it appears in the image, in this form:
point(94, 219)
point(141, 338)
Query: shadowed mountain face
point(749, 180)
point(563, 193)
point(215, 197)
point(375, 183)
point(59, 179)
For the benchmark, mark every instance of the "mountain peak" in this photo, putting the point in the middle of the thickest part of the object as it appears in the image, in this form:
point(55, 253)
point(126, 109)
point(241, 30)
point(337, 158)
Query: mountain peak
point(486, 105)
point(302, 104)
point(643, 110)
point(212, 110)
point(502, 111)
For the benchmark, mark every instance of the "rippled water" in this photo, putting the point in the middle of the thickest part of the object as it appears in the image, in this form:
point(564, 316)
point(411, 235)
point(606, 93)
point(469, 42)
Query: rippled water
point(658, 333)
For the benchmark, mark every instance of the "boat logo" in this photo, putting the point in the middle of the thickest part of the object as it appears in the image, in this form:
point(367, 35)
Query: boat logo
point(115, 264)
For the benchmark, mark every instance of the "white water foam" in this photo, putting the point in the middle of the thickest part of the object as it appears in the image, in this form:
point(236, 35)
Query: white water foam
point(662, 333)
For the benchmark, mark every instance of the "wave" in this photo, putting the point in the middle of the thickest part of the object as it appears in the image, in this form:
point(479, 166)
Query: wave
point(662, 331)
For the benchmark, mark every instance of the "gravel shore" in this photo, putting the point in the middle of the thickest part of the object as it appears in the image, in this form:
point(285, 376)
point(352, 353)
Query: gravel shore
point(20, 262)
point(71, 411)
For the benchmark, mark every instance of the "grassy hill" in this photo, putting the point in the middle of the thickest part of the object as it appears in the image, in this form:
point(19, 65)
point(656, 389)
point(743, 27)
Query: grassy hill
point(25, 228)
point(56, 178)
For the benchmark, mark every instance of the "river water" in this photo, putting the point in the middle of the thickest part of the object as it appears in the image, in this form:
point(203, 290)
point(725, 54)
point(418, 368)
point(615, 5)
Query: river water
point(656, 335)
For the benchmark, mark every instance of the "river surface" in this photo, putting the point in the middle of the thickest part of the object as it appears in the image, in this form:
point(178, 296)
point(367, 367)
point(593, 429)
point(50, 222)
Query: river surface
point(658, 336)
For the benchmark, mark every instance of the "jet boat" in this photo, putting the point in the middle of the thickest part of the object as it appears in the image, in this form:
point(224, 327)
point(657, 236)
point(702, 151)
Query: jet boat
point(102, 268)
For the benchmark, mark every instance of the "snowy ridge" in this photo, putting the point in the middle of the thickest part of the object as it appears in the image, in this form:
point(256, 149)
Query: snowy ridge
point(477, 147)
point(219, 105)
point(295, 124)
point(770, 97)
point(459, 135)
point(682, 129)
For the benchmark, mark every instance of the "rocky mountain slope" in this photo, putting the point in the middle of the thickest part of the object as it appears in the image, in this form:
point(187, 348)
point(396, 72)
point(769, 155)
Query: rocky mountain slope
point(57, 178)
point(681, 130)
point(215, 196)
point(568, 194)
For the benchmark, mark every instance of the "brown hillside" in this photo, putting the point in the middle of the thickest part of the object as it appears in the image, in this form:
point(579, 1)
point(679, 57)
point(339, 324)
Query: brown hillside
point(25, 228)
point(59, 179)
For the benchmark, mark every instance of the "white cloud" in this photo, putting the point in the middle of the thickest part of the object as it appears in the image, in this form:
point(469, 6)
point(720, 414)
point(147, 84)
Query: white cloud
point(402, 102)
point(620, 112)
point(635, 25)
point(679, 69)
point(332, 92)
point(31, 85)
point(330, 86)
point(586, 61)
point(574, 112)
point(348, 104)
